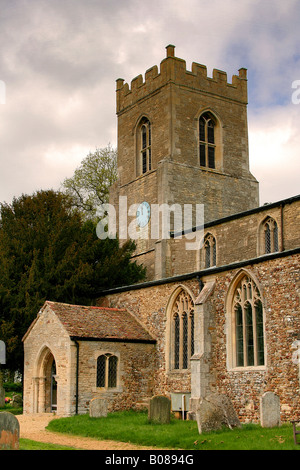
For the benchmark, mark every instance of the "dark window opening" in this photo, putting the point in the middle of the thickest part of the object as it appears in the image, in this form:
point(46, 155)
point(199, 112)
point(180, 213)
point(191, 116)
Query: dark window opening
point(207, 141)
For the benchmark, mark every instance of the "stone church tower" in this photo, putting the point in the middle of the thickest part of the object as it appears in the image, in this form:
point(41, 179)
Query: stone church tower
point(182, 139)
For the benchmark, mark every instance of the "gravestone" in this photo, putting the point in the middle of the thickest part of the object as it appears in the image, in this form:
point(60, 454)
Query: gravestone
point(269, 410)
point(17, 401)
point(2, 396)
point(2, 361)
point(9, 431)
point(98, 408)
point(2, 352)
point(159, 409)
point(215, 411)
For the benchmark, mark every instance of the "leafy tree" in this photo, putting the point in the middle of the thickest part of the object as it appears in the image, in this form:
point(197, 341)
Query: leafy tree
point(48, 252)
point(89, 186)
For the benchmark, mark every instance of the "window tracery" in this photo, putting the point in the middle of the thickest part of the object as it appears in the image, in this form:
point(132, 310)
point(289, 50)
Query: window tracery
point(248, 324)
point(270, 235)
point(210, 251)
point(182, 347)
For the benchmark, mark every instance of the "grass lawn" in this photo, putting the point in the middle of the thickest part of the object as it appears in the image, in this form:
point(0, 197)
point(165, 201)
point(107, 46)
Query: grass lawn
point(27, 444)
point(10, 409)
point(134, 427)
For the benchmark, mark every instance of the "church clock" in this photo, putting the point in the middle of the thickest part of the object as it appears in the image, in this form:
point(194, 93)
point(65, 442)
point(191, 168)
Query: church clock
point(143, 214)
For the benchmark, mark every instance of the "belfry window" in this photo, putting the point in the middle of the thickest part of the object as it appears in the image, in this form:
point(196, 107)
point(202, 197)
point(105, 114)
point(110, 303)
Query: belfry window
point(207, 145)
point(107, 367)
point(144, 142)
point(182, 324)
point(248, 324)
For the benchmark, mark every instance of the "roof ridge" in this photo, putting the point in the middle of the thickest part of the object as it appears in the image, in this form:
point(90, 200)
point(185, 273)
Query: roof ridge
point(86, 306)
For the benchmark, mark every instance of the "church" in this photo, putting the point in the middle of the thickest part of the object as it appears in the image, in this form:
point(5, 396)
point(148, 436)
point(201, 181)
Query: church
point(219, 311)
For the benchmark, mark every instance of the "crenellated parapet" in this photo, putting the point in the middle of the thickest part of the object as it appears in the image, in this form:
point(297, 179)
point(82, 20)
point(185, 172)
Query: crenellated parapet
point(173, 70)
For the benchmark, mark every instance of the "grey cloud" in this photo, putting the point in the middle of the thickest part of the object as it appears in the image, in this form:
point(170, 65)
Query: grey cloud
point(60, 61)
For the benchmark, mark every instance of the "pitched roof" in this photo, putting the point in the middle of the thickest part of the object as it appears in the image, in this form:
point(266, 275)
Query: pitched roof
point(100, 323)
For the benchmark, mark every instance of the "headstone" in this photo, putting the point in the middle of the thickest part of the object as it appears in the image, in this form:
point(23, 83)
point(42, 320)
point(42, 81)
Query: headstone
point(2, 391)
point(2, 352)
point(17, 401)
point(214, 412)
point(98, 408)
point(9, 431)
point(269, 410)
point(2, 396)
point(159, 409)
point(2, 361)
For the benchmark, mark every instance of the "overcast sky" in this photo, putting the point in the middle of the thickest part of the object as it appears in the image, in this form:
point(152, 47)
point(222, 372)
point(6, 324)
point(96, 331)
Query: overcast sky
point(60, 58)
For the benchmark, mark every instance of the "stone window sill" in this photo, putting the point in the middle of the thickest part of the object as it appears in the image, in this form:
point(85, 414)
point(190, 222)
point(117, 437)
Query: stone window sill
point(247, 369)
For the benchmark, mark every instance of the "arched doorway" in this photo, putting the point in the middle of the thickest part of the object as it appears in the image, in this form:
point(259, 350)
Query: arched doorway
point(45, 392)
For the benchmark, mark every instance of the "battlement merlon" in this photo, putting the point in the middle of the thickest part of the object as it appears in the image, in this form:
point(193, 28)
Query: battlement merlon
point(173, 70)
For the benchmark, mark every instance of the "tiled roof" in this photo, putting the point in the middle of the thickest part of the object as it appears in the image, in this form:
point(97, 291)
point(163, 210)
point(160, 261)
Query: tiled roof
point(108, 324)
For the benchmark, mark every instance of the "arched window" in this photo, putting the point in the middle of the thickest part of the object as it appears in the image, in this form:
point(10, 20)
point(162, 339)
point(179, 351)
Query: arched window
point(107, 369)
point(182, 335)
point(144, 157)
point(247, 325)
point(210, 251)
point(207, 140)
point(270, 229)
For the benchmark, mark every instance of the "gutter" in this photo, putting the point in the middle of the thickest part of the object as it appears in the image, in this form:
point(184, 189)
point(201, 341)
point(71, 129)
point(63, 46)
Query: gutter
point(201, 274)
point(112, 340)
point(238, 215)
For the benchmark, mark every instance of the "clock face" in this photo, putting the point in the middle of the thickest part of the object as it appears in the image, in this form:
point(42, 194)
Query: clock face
point(143, 214)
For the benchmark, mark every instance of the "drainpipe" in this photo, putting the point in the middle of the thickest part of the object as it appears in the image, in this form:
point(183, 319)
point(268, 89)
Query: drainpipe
point(77, 374)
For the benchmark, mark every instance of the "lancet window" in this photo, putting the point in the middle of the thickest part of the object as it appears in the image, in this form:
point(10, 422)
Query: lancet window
point(207, 144)
point(248, 324)
point(182, 331)
point(144, 139)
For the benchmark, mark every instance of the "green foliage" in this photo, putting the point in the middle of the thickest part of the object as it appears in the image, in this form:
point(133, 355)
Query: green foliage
point(130, 426)
point(10, 409)
point(89, 186)
point(12, 387)
point(48, 252)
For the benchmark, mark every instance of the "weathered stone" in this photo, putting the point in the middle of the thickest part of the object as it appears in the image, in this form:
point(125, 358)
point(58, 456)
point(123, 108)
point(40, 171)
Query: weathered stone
point(214, 412)
point(174, 98)
point(2, 353)
point(270, 410)
point(160, 409)
point(17, 401)
point(98, 408)
point(9, 431)
point(42, 340)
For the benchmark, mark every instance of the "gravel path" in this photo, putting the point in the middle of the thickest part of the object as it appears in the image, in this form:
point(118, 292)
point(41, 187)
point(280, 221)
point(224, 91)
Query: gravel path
point(33, 427)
